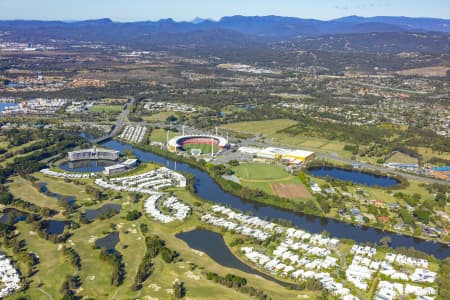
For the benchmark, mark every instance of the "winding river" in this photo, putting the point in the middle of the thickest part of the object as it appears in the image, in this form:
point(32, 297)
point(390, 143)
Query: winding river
point(209, 190)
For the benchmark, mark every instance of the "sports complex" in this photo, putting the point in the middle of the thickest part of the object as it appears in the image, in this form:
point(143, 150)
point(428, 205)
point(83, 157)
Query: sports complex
point(197, 144)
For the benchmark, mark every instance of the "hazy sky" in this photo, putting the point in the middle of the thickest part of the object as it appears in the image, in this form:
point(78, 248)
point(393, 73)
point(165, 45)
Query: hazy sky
point(134, 10)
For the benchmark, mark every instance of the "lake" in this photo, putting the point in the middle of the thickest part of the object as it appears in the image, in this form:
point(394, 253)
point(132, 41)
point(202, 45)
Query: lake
point(55, 226)
point(109, 242)
point(214, 246)
point(11, 216)
point(91, 214)
point(354, 176)
point(207, 189)
point(44, 189)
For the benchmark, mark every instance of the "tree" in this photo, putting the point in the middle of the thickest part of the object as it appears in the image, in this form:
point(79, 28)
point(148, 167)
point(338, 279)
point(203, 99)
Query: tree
point(178, 289)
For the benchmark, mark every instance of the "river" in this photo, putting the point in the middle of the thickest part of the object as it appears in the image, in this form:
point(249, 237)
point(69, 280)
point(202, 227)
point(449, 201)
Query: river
point(209, 190)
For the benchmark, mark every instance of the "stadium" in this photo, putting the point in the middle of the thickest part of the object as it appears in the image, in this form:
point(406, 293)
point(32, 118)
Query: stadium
point(197, 144)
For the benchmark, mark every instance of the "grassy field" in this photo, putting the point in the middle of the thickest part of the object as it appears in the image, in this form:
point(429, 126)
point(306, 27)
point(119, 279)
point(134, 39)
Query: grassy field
point(205, 148)
point(159, 135)
point(262, 176)
point(269, 127)
point(23, 189)
point(269, 130)
point(107, 108)
point(254, 171)
point(52, 267)
point(95, 274)
point(399, 157)
point(159, 117)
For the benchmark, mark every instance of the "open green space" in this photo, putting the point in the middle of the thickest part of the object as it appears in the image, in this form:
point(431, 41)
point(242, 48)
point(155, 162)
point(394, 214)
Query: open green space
point(23, 189)
point(255, 171)
point(204, 148)
point(399, 157)
point(268, 127)
point(159, 117)
point(107, 108)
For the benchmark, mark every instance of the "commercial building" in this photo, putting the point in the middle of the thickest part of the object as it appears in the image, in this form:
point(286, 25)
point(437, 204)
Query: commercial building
point(119, 168)
point(93, 153)
point(271, 153)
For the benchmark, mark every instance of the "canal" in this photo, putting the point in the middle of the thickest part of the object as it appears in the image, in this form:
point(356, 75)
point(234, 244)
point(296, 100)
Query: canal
point(209, 190)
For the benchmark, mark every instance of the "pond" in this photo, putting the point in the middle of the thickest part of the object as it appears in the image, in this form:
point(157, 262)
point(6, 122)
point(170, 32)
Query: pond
point(54, 226)
point(91, 214)
point(354, 176)
point(45, 190)
point(86, 166)
point(12, 216)
point(214, 246)
point(207, 189)
point(109, 242)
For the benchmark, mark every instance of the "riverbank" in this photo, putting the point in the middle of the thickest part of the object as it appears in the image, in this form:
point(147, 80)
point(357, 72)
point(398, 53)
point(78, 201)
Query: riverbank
point(289, 206)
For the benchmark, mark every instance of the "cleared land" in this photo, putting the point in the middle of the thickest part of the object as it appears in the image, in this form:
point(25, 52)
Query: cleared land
point(261, 127)
point(290, 190)
point(439, 71)
point(270, 130)
point(159, 117)
point(399, 157)
point(107, 108)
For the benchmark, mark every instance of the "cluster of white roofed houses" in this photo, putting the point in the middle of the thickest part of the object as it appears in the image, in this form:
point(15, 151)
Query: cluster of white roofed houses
point(134, 134)
point(301, 255)
point(9, 277)
point(152, 183)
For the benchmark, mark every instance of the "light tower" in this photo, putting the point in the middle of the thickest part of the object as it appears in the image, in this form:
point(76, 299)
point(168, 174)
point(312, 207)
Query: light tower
point(212, 148)
point(216, 130)
point(182, 129)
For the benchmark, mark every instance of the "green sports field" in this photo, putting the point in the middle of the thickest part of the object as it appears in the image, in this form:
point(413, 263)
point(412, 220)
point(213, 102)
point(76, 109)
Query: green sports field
point(254, 171)
point(205, 148)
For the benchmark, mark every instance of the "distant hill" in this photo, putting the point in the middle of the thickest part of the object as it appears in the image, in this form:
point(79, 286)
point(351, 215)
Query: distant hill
point(241, 31)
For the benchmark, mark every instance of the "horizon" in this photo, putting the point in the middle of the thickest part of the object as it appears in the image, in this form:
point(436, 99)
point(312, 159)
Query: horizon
point(216, 20)
point(179, 10)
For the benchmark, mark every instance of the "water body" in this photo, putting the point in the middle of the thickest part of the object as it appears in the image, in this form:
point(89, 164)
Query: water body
point(3, 105)
point(214, 246)
point(91, 214)
point(86, 166)
point(44, 189)
point(209, 190)
point(55, 226)
point(12, 216)
point(354, 176)
point(109, 242)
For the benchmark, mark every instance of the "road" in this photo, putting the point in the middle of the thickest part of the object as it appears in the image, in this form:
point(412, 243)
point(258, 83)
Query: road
point(334, 156)
point(121, 121)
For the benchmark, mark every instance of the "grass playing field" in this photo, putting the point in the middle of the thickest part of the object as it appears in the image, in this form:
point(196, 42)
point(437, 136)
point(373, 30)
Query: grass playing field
point(205, 148)
point(254, 171)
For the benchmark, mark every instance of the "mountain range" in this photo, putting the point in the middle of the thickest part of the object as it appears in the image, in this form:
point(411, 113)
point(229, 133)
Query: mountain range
point(234, 30)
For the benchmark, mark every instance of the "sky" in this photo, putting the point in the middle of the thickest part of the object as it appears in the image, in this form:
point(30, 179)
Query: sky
point(186, 10)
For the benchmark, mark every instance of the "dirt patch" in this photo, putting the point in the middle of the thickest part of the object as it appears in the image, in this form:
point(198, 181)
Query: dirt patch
point(439, 71)
point(290, 190)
